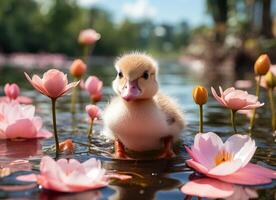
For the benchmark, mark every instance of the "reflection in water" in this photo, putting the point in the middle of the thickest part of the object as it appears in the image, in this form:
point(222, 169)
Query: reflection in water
point(20, 148)
point(213, 188)
point(148, 177)
point(15, 154)
point(49, 195)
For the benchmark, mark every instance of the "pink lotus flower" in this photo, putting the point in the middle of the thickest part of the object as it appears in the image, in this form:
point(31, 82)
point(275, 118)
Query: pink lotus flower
point(212, 188)
point(93, 111)
point(94, 87)
point(53, 84)
point(236, 99)
point(18, 121)
point(88, 36)
point(70, 175)
point(228, 161)
point(12, 92)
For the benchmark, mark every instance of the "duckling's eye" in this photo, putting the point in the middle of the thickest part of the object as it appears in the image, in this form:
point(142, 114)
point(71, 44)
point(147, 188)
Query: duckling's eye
point(120, 74)
point(146, 75)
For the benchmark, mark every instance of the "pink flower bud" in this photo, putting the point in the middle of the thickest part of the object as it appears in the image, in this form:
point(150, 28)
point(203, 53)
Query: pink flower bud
point(94, 87)
point(93, 111)
point(88, 37)
point(12, 90)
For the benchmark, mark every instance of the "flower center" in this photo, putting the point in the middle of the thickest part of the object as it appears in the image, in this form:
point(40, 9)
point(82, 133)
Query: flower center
point(223, 156)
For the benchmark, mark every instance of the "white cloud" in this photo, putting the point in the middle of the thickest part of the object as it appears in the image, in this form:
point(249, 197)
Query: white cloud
point(87, 3)
point(139, 9)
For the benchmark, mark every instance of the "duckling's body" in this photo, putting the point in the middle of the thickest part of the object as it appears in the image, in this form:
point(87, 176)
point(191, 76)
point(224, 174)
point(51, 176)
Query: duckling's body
point(141, 125)
point(141, 118)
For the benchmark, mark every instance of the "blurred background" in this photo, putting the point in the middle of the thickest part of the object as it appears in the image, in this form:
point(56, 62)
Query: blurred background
point(203, 32)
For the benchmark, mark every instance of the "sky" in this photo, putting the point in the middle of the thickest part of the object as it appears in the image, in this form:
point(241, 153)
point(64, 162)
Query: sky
point(160, 11)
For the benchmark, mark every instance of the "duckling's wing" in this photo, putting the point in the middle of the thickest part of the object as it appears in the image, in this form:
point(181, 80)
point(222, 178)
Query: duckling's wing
point(171, 109)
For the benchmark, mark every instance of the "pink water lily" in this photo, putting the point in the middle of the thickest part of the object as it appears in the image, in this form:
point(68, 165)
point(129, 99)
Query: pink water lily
point(18, 121)
point(53, 84)
point(12, 92)
point(228, 161)
point(236, 99)
point(71, 175)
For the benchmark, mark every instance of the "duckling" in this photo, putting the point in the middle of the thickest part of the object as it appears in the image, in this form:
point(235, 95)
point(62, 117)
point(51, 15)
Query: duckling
point(141, 118)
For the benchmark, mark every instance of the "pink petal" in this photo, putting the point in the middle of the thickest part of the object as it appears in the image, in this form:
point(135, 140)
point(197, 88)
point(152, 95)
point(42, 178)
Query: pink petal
point(227, 91)
point(208, 188)
point(27, 178)
point(236, 103)
point(197, 166)
point(91, 163)
point(247, 176)
point(225, 168)
point(50, 169)
point(24, 100)
point(69, 87)
point(269, 173)
point(118, 176)
point(54, 82)
point(219, 99)
point(241, 146)
point(37, 84)
point(22, 128)
point(74, 165)
point(206, 147)
point(4, 99)
point(37, 121)
point(190, 152)
point(44, 134)
point(256, 105)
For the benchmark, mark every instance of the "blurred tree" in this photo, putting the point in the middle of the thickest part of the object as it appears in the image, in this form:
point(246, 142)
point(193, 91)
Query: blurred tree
point(60, 23)
point(182, 35)
point(266, 29)
point(17, 20)
point(219, 11)
point(53, 26)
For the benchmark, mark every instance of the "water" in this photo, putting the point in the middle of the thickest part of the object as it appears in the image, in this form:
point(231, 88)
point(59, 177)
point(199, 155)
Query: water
point(152, 179)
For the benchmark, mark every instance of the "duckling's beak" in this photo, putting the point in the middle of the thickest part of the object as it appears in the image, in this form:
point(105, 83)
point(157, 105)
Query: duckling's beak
point(131, 90)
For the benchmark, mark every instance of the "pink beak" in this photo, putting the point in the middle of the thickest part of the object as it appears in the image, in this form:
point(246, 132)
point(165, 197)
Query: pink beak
point(130, 91)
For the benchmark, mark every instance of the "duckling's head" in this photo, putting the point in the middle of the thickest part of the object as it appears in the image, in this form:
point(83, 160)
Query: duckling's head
point(136, 77)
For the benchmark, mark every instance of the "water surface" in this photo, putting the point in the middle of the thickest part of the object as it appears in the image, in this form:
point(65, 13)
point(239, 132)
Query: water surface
point(152, 179)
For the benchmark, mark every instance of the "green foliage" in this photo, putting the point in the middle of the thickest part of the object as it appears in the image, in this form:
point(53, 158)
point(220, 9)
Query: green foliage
point(53, 26)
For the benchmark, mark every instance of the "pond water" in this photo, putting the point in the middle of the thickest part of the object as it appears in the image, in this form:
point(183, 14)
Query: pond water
point(152, 179)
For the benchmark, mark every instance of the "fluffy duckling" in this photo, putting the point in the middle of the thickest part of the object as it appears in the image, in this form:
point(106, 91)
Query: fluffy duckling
point(140, 118)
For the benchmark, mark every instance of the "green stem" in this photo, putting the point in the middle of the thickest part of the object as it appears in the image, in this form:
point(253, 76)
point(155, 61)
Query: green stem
point(86, 52)
point(55, 125)
point(233, 120)
point(252, 120)
point(74, 98)
point(272, 106)
point(200, 118)
point(90, 129)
